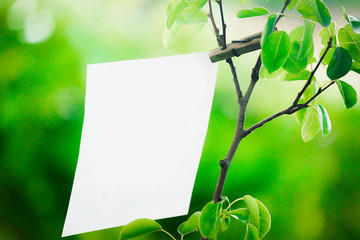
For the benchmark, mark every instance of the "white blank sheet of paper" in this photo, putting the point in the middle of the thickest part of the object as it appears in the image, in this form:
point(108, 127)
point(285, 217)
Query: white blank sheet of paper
point(144, 128)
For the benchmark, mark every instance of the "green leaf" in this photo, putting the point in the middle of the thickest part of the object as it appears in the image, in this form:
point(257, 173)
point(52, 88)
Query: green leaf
point(327, 32)
point(348, 93)
point(193, 8)
point(354, 21)
point(200, 17)
point(275, 51)
point(329, 55)
point(325, 124)
point(191, 225)
point(264, 74)
point(174, 13)
point(254, 217)
point(310, 91)
point(269, 27)
point(243, 1)
point(297, 34)
point(305, 9)
point(340, 64)
point(254, 12)
point(344, 13)
point(292, 4)
point(225, 224)
point(307, 40)
point(355, 67)
point(209, 219)
point(293, 64)
point(349, 40)
point(303, 75)
point(139, 227)
point(265, 219)
point(170, 35)
point(252, 233)
point(311, 125)
point(241, 214)
point(300, 115)
point(315, 10)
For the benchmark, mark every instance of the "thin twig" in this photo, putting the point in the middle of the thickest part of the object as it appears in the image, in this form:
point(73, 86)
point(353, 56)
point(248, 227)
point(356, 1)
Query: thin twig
point(235, 79)
point(329, 45)
point(216, 29)
point(223, 24)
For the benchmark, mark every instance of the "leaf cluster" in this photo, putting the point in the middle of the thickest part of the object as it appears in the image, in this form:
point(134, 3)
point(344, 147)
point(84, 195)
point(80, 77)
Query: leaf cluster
point(213, 219)
point(290, 57)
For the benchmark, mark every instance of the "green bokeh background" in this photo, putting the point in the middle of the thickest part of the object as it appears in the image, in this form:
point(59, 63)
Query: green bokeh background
point(311, 189)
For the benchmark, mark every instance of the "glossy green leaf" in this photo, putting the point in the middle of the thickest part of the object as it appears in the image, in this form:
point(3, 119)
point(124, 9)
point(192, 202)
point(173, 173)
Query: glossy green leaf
point(329, 55)
point(325, 124)
point(191, 225)
point(297, 34)
point(355, 24)
point(340, 64)
point(354, 21)
point(139, 227)
point(348, 93)
point(265, 219)
point(355, 67)
point(275, 51)
point(269, 27)
point(315, 10)
point(170, 35)
point(292, 3)
point(344, 13)
point(210, 219)
point(252, 233)
point(305, 9)
point(171, 6)
point(175, 12)
point(254, 217)
point(254, 12)
point(300, 115)
point(200, 17)
point(241, 214)
point(265, 75)
point(307, 40)
point(225, 224)
point(326, 32)
point(311, 125)
point(311, 91)
point(243, 1)
point(293, 64)
point(193, 8)
point(349, 40)
point(303, 75)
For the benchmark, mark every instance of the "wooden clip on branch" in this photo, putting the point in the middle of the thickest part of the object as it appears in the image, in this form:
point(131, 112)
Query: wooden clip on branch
point(237, 48)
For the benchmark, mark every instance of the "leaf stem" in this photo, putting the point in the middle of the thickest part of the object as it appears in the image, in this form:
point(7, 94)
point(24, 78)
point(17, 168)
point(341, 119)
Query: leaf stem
point(235, 201)
point(169, 234)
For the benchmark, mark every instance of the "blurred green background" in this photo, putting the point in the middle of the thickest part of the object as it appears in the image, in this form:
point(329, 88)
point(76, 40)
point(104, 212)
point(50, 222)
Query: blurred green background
point(311, 189)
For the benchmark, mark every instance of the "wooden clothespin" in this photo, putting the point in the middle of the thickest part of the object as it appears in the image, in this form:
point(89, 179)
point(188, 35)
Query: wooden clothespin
point(237, 48)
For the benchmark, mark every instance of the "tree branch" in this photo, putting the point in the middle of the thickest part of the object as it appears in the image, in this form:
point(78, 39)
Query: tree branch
point(223, 24)
point(239, 133)
point(216, 29)
point(235, 79)
point(329, 44)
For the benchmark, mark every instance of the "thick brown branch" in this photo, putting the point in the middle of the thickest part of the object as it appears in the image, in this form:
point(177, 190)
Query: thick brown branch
point(239, 133)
